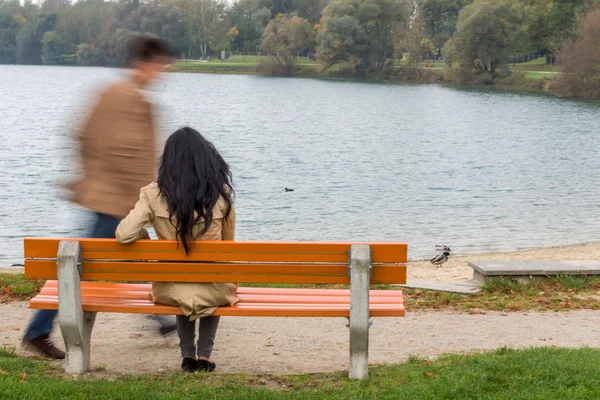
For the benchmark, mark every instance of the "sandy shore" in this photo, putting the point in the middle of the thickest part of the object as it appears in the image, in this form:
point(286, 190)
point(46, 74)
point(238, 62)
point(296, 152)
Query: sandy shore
point(127, 343)
point(457, 268)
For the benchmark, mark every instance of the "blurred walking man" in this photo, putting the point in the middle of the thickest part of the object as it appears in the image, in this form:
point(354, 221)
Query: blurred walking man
point(118, 157)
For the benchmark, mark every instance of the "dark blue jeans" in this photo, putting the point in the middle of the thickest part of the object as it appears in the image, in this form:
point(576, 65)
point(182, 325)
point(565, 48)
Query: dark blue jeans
point(41, 324)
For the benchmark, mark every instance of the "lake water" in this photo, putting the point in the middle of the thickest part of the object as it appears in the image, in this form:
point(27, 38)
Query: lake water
point(479, 170)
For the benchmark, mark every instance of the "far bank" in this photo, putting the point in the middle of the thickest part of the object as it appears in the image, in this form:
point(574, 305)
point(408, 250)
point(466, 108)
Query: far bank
point(535, 76)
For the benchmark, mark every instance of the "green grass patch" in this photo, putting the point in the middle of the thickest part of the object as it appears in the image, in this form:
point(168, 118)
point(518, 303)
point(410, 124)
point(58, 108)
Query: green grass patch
point(214, 67)
point(537, 75)
point(240, 65)
point(535, 61)
point(535, 67)
point(16, 286)
point(559, 293)
point(504, 374)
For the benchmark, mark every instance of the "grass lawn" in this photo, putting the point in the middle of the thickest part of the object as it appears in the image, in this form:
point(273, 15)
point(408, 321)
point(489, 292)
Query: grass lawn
point(536, 373)
point(539, 75)
point(535, 61)
point(236, 65)
point(560, 293)
point(17, 287)
point(534, 66)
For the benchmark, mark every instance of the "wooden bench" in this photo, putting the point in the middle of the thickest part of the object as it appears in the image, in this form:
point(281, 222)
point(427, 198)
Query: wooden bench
point(78, 272)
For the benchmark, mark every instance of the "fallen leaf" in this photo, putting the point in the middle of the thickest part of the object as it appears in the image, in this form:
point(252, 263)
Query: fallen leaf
point(275, 354)
point(428, 374)
point(22, 376)
point(3, 372)
point(16, 329)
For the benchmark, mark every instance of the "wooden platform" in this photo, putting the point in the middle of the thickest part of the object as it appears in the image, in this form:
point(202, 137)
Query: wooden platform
point(522, 271)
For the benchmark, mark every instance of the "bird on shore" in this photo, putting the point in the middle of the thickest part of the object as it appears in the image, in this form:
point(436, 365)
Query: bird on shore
point(440, 259)
point(289, 190)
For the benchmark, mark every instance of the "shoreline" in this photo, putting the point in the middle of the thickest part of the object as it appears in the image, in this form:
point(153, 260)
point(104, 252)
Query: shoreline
point(516, 81)
point(515, 251)
point(457, 268)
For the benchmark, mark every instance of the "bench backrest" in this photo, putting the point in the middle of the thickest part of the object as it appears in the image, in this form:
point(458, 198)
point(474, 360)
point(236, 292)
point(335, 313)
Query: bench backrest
point(221, 261)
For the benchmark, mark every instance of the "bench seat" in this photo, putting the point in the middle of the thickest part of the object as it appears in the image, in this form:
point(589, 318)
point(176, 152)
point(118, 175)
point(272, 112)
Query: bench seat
point(254, 302)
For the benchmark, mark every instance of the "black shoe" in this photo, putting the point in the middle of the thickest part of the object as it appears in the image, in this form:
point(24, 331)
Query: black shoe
point(189, 364)
point(206, 366)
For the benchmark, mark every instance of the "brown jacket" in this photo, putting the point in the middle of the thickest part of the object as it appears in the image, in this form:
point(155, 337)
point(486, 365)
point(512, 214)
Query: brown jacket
point(195, 299)
point(118, 151)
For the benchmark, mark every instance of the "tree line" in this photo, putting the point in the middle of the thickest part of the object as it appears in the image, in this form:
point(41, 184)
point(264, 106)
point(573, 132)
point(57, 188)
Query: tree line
point(358, 37)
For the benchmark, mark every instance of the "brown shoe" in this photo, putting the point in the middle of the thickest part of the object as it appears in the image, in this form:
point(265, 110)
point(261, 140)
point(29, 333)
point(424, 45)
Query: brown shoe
point(44, 345)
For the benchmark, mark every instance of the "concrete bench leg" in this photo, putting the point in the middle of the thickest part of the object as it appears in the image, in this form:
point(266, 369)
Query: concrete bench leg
point(360, 280)
point(75, 325)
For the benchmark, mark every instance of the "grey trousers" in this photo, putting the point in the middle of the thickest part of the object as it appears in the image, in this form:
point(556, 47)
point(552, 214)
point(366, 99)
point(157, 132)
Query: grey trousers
point(207, 331)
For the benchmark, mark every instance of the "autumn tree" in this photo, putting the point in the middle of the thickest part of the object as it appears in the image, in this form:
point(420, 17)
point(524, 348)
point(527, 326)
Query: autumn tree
point(580, 60)
point(439, 19)
point(359, 33)
point(283, 39)
point(30, 36)
point(487, 33)
point(11, 22)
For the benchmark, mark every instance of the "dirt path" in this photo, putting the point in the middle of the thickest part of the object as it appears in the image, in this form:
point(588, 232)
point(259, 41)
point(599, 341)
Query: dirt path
point(128, 343)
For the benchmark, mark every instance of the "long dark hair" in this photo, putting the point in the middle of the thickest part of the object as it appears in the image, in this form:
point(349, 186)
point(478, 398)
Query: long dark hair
point(192, 176)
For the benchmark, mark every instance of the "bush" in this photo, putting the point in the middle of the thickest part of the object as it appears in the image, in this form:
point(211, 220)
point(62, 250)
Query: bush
point(579, 60)
point(487, 34)
point(282, 40)
point(89, 55)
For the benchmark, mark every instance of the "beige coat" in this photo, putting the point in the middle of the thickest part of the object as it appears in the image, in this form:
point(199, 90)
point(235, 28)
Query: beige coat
point(118, 151)
point(195, 299)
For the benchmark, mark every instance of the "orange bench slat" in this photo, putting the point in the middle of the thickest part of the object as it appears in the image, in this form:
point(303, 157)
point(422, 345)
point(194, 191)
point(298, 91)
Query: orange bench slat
point(135, 289)
point(215, 272)
point(255, 302)
point(243, 297)
point(47, 248)
point(239, 310)
point(147, 287)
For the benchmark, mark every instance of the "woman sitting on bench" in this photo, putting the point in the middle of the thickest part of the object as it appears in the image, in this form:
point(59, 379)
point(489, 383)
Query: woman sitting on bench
point(191, 200)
